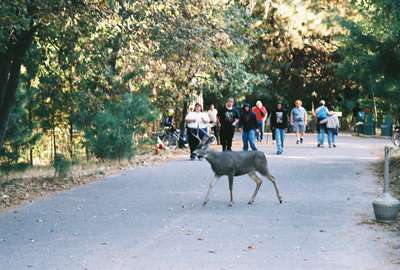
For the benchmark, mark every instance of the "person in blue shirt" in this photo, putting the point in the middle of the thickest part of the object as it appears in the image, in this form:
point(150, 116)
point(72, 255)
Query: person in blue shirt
point(298, 120)
point(321, 113)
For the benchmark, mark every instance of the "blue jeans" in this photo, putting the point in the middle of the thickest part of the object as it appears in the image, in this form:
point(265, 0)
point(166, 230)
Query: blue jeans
point(279, 137)
point(260, 127)
point(249, 137)
point(331, 136)
point(321, 135)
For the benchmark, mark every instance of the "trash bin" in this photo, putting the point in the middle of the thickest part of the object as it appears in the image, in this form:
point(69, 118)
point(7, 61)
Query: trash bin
point(360, 122)
point(369, 125)
point(387, 126)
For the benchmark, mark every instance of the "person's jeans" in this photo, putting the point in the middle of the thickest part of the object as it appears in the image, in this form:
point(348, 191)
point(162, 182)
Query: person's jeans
point(249, 137)
point(321, 134)
point(331, 136)
point(279, 138)
point(260, 127)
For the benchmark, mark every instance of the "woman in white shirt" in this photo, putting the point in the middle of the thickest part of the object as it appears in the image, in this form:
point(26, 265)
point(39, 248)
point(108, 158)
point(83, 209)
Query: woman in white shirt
point(333, 126)
point(197, 122)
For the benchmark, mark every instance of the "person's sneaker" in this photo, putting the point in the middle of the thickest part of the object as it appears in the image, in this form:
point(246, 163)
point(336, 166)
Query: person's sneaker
point(298, 141)
point(319, 145)
point(330, 146)
point(279, 153)
point(273, 141)
point(192, 158)
point(334, 146)
point(301, 140)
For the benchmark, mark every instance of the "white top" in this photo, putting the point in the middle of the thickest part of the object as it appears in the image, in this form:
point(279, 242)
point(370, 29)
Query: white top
point(212, 114)
point(201, 119)
point(333, 121)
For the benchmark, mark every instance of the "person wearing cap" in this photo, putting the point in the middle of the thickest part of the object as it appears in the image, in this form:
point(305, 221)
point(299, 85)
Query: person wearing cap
point(248, 124)
point(298, 120)
point(228, 117)
point(321, 113)
point(261, 114)
point(279, 123)
point(197, 122)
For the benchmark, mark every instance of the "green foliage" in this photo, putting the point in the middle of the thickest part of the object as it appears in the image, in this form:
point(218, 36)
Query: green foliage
point(97, 75)
point(111, 131)
point(370, 54)
point(21, 135)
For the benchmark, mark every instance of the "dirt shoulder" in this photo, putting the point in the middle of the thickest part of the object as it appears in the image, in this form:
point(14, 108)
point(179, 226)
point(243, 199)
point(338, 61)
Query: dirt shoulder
point(21, 187)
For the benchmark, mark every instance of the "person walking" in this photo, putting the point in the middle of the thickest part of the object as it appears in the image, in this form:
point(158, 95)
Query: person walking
point(279, 123)
point(321, 113)
point(248, 124)
point(228, 117)
point(333, 126)
point(212, 114)
point(261, 115)
point(197, 122)
point(298, 120)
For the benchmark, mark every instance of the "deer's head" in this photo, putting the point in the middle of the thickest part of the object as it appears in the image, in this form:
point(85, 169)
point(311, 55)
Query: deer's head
point(204, 145)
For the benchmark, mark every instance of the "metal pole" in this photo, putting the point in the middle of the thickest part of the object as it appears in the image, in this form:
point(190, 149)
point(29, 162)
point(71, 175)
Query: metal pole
point(387, 207)
point(386, 171)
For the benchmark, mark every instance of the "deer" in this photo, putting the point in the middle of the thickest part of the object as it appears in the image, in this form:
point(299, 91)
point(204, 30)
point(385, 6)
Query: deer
point(233, 164)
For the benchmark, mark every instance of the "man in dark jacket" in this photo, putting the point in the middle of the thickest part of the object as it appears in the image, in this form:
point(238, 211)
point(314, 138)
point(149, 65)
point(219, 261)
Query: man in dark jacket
point(279, 122)
point(228, 118)
point(248, 124)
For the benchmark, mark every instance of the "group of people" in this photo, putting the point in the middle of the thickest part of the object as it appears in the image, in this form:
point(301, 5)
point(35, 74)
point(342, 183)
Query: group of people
point(251, 122)
point(327, 121)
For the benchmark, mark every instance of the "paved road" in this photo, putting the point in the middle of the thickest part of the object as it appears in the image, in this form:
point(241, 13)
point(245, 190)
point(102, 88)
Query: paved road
point(152, 218)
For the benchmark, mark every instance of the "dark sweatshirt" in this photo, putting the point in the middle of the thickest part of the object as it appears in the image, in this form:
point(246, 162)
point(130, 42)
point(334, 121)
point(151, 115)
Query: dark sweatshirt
point(279, 119)
point(248, 120)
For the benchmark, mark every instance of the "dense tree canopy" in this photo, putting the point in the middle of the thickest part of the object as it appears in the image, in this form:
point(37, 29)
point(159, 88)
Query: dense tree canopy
point(86, 78)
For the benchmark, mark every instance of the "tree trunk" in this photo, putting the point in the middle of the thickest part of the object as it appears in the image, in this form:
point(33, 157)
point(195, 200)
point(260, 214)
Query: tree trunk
point(10, 69)
point(30, 121)
point(53, 133)
point(184, 112)
point(71, 139)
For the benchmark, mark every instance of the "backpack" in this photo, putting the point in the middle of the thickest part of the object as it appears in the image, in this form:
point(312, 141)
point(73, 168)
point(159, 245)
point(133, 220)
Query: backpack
point(322, 113)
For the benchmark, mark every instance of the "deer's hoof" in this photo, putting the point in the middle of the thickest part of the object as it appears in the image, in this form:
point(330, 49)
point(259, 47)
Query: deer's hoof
point(280, 200)
point(230, 204)
point(204, 203)
point(250, 202)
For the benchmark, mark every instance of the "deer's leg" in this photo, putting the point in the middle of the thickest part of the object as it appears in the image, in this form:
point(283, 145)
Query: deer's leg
point(258, 181)
point(230, 189)
point(273, 180)
point(212, 183)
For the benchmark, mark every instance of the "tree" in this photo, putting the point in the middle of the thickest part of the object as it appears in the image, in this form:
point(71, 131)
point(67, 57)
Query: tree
point(22, 22)
point(370, 54)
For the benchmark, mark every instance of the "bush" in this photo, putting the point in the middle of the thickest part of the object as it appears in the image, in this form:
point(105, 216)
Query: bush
point(111, 134)
point(61, 166)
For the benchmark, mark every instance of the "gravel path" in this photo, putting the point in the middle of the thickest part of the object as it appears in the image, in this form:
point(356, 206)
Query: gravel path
point(152, 218)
